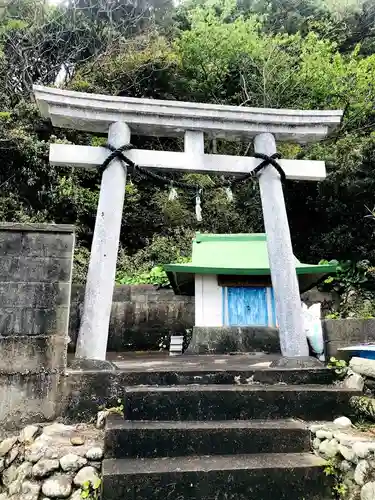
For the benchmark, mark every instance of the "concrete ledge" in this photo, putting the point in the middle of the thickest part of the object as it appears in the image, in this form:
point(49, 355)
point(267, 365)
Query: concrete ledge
point(39, 354)
point(40, 228)
point(223, 340)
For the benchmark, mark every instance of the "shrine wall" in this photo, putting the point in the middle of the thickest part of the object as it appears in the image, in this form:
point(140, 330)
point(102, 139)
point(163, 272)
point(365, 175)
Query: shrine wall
point(208, 301)
point(35, 282)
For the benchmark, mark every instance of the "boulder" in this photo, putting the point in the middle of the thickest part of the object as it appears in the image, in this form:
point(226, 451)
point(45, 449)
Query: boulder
point(322, 434)
point(345, 466)
point(363, 366)
point(28, 434)
point(58, 486)
point(30, 490)
point(45, 467)
point(363, 449)
point(316, 443)
point(7, 445)
point(342, 422)
point(368, 491)
point(347, 453)
point(95, 453)
point(72, 462)
point(361, 471)
point(87, 474)
point(12, 455)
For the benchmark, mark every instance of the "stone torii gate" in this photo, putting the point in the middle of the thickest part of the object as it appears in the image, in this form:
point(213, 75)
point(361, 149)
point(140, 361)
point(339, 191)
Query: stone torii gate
point(122, 116)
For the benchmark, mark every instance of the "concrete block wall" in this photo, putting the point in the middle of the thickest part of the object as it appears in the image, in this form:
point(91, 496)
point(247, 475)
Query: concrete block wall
point(141, 316)
point(35, 286)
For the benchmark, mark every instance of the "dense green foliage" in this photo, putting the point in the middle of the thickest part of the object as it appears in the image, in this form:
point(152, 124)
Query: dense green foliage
point(275, 53)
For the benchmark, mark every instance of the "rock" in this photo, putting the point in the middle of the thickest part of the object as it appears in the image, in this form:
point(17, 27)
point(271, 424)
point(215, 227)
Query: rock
point(316, 443)
point(343, 422)
point(347, 453)
point(360, 472)
point(30, 490)
point(28, 434)
point(368, 491)
point(14, 488)
point(37, 450)
point(355, 382)
point(13, 454)
point(2, 464)
point(321, 434)
point(4, 496)
point(329, 448)
point(363, 366)
point(58, 429)
point(345, 466)
point(101, 418)
point(95, 453)
point(9, 475)
point(45, 467)
point(77, 440)
point(87, 474)
point(7, 445)
point(22, 472)
point(97, 465)
point(72, 462)
point(354, 493)
point(363, 449)
point(76, 495)
point(315, 427)
point(58, 486)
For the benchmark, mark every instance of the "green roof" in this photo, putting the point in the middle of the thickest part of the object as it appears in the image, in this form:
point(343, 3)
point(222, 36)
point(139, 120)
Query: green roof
point(235, 254)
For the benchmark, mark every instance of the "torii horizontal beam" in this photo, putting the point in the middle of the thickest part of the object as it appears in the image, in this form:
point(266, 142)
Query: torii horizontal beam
point(90, 157)
point(152, 117)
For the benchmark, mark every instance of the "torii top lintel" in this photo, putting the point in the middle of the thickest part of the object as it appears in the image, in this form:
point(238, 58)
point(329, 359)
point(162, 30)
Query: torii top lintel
point(152, 117)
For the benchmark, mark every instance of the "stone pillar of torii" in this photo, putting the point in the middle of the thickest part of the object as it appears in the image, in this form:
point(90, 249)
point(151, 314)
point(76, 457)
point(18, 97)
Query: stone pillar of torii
point(122, 116)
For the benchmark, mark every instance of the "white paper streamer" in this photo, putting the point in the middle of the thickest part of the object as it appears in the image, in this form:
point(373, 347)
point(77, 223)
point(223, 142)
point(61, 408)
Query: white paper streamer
point(229, 193)
point(198, 208)
point(172, 194)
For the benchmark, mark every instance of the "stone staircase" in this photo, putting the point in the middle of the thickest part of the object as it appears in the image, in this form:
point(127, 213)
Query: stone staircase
point(210, 437)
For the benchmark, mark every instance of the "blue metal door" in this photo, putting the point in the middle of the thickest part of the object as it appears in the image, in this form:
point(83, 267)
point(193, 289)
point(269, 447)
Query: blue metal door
point(247, 306)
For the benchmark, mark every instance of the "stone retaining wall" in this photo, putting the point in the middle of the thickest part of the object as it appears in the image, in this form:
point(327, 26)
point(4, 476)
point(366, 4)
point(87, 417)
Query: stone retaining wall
point(35, 283)
point(54, 461)
point(351, 458)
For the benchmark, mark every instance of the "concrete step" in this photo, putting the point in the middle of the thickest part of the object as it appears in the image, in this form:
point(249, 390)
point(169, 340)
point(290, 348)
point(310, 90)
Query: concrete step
point(216, 369)
point(159, 439)
point(296, 476)
point(86, 387)
point(236, 402)
point(260, 376)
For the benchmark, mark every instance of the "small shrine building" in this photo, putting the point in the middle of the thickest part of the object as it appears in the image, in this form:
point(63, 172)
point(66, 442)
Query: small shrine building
point(231, 279)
